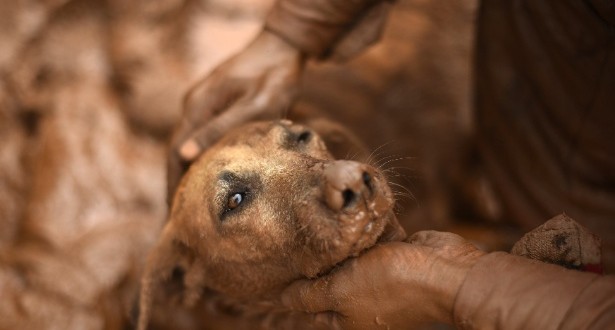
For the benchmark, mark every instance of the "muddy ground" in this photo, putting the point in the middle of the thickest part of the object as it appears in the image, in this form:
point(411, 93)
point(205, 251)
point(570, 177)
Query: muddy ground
point(90, 91)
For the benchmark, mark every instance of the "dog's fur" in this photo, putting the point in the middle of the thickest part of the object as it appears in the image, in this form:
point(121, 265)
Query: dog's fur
point(91, 89)
point(293, 222)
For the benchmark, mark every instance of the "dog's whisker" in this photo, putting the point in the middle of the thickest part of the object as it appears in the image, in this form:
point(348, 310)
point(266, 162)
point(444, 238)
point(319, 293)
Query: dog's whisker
point(396, 168)
point(405, 177)
point(377, 158)
point(384, 161)
point(402, 196)
point(395, 184)
point(377, 150)
point(355, 155)
point(301, 229)
point(405, 190)
point(396, 171)
point(398, 209)
point(376, 161)
point(352, 156)
point(394, 160)
point(372, 154)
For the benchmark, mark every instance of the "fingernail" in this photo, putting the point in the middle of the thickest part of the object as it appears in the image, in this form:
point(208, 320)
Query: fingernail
point(189, 150)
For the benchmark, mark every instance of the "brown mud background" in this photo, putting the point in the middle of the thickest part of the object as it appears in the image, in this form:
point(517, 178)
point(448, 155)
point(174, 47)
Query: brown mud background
point(89, 94)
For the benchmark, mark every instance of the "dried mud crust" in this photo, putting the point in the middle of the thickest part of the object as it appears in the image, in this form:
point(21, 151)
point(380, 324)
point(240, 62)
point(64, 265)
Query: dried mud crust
point(90, 90)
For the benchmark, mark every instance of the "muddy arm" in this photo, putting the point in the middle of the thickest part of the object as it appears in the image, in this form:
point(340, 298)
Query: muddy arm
point(325, 28)
point(261, 82)
point(508, 292)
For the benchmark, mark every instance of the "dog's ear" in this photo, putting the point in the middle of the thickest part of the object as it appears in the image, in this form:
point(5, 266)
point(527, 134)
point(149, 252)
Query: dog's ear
point(172, 274)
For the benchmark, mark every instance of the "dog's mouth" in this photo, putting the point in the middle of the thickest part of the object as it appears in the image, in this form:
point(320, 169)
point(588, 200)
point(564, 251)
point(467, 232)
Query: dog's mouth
point(362, 225)
point(358, 213)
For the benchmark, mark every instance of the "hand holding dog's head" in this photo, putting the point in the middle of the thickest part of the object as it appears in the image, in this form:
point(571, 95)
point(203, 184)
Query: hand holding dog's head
point(263, 207)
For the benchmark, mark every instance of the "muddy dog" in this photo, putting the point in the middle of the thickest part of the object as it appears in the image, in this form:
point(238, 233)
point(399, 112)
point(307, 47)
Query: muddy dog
point(265, 206)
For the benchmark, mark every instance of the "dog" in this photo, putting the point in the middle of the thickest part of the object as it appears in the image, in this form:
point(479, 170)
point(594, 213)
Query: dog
point(265, 206)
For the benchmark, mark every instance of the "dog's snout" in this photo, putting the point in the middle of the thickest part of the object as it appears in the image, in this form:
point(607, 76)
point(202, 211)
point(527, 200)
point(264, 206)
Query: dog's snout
point(346, 182)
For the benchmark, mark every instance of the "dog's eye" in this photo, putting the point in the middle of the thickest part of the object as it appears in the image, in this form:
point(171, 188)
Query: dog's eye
point(304, 137)
point(234, 203)
point(234, 200)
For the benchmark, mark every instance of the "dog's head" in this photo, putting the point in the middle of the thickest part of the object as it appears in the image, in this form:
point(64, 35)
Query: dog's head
point(267, 205)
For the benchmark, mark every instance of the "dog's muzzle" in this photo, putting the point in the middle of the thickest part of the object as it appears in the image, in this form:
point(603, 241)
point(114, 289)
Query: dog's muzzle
point(346, 184)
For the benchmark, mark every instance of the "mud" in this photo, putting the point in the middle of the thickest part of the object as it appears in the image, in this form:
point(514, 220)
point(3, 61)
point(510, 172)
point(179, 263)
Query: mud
point(260, 209)
point(90, 90)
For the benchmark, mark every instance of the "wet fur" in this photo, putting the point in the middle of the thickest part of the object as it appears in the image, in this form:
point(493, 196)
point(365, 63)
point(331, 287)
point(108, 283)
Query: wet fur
point(90, 90)
point(281, 232)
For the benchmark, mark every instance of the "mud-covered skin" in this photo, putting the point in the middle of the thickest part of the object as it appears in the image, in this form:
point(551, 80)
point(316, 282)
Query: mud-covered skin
point(298, 214)
point(283, 229)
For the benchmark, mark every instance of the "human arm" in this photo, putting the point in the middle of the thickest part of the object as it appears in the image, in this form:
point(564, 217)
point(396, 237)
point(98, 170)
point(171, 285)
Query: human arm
point(258, 83)
point(261, 81)
point(396, 285)
point(326, 28)
point(510, 292)
point(439, 277)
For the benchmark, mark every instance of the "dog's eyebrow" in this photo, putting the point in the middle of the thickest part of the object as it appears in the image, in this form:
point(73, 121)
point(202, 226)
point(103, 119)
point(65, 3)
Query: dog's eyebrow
point(228, 177)
point(231, 180)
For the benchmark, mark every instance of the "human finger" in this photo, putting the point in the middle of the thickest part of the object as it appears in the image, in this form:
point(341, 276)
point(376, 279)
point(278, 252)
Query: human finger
point(254, 105)
point(176, 168)
point(436, 239)
point(212, 131)
point(211, 97)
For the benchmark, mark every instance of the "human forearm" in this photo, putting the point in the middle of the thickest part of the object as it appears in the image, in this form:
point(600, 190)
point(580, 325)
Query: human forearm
point(594, 308)
point(509, 292)
point(315, 26)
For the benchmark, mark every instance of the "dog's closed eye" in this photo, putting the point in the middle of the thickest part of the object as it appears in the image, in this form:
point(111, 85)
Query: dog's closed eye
point(304, 137)
point(296, 138)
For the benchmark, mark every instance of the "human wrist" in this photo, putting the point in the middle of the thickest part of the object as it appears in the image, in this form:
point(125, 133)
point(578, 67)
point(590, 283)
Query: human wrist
point(443, 262)
point(433, 275)
point(271, 43)
point(315, 26)
point(451, 274)
point(508, 285)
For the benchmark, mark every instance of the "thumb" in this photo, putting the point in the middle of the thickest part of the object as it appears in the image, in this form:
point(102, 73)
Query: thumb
point(312, 296)
point(436, 239)
point(208, 134)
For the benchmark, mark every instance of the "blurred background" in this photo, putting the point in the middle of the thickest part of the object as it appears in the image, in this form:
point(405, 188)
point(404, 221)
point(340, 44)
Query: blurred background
point(91, 90)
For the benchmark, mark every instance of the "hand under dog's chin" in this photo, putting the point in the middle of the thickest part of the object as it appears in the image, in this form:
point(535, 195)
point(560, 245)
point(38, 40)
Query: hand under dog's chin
point(361, 231)
point(365, 233)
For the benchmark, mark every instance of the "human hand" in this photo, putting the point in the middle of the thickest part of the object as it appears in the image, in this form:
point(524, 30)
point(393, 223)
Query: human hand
point(393, 285)
point(258, 83)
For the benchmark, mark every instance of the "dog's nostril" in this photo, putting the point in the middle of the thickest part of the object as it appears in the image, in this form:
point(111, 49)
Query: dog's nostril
point(349, 197)
point(367, 179)
point(177, 276)
point(347, 184)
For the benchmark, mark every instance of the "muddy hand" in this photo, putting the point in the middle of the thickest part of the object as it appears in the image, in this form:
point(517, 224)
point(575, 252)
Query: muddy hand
point(258, 83)
point(395, 285)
